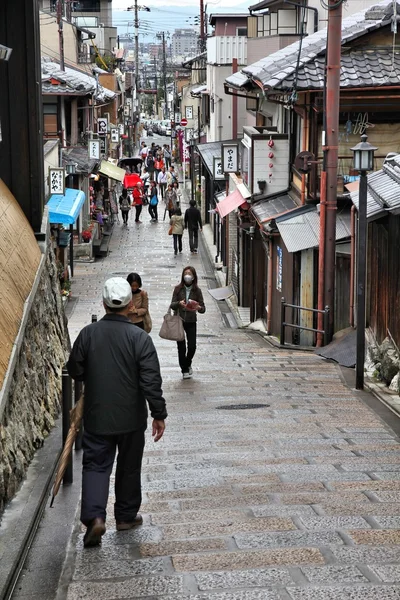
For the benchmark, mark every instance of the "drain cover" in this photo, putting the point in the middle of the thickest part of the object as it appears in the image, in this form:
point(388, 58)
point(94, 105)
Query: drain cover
point(241, 406)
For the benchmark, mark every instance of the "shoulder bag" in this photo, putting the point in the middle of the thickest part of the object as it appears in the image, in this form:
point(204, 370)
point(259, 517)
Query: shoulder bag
point(172, 328)
point(147, 322)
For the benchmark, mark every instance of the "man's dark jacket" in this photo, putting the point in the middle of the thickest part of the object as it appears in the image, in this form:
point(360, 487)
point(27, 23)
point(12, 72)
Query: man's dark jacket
point(193, 218)
point(118, 363)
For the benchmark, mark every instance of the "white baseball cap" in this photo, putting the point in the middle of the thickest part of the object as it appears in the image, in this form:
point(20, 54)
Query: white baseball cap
point(117, 292)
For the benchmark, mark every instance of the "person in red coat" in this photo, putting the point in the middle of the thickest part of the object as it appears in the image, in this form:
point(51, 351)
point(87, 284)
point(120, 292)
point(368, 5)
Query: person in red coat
point(138, 200)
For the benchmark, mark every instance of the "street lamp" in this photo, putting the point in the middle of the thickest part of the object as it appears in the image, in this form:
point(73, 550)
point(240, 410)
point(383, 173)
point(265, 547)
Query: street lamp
point(363, 162)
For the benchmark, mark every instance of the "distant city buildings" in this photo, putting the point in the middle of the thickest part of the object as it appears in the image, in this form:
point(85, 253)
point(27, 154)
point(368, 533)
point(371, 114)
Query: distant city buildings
point(184, 42)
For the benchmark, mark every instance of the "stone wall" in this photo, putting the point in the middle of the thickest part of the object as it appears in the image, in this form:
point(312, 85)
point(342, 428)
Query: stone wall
point(383, 361)
point(32, 400)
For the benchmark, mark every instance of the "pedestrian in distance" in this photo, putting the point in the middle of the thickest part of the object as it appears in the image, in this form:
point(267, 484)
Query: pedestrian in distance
point(143, 150)
point(162, 181)
point(149, 164)
point(178, 193)
point(167, 156)
point(170, 200)
point(153, 202)
point(177, 225)
point(193, 223)
point(171, 176)
point(125, 206)
point(138, 200)
point(187, 301)
point(140, 301)
point(158, 165)
point(119, 367)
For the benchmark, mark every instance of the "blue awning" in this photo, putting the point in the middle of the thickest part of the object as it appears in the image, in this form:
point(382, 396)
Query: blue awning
point(65, 209)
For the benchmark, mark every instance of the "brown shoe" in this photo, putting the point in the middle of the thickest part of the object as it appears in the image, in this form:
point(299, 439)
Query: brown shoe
point(138, 520)
point(94, 532)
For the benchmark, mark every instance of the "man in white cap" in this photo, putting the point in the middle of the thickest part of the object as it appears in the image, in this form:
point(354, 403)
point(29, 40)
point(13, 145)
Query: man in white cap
point(119, 366)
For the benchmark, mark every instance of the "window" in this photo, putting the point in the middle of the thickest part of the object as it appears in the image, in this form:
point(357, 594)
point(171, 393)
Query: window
point(242, 31)
point(86, 6)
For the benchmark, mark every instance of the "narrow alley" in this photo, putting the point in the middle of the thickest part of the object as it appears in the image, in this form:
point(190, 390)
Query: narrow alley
point(274, 479)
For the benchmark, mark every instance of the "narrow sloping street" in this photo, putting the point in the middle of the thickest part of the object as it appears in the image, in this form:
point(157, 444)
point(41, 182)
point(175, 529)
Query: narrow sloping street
point(273, 480)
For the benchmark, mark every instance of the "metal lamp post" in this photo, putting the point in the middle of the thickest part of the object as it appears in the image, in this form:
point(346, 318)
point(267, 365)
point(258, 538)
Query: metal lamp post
point(363, 162)
point(70, 169)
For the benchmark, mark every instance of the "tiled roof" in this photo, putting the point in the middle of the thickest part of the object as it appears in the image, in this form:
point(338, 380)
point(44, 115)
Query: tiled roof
point(362, 68)
point(71, 82)
point(80, 156)
point(300, 229)
point(383, 189)
point(272, 70)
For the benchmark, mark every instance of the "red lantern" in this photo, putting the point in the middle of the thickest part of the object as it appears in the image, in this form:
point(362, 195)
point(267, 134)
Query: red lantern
point(271, 143)
point(271, 165)
point(271, 155)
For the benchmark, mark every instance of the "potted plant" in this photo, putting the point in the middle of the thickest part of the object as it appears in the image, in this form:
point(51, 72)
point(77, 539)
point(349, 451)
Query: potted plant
point(86, 235)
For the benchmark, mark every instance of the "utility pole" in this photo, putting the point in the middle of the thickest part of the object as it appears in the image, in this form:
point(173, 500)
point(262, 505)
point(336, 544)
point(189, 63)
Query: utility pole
point(136, 95)
point(161, 35)
point(156, 84)
point(60, 13)
point(330, 140)
point(202, 28)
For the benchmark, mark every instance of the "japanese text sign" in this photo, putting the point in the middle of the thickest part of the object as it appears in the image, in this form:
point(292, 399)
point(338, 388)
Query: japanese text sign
point(102, 126)
point(94, 149)
point(217, 168)
point(230, 160)
point(57, 181)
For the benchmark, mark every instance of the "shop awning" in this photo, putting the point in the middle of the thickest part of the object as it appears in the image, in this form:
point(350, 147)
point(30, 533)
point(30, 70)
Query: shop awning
point(65, 209)
point(112, 171)
point(228, 204)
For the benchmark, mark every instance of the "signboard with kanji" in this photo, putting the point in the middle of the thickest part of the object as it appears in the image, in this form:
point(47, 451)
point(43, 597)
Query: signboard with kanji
point(127, 110)
point(121, 129)
point(57, 181)
point(103, 145)
point(189, 112)
point(230, 158)
point(102, 125)
point(114, 136)
point(178, 118)
point(217, 168)
point(189, 134)
point(94, 149)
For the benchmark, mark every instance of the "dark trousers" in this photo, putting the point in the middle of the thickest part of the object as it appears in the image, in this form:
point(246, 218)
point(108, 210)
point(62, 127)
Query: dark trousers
point(167, 162)
point(186, 355)
point(125, 215)
point(153, 211)
point(98, 459)
point(163, 187)
point(193, 239)
point(177, 242)
point(138, 208)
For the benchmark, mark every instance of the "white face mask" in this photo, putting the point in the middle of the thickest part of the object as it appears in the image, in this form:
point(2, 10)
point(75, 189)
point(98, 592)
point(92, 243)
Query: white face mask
point(188, 279)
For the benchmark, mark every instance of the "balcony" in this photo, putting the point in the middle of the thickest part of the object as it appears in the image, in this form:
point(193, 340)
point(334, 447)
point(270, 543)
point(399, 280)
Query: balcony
point(222, 49)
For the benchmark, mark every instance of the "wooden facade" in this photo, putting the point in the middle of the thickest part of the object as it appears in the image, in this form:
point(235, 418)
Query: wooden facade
point(383, 308)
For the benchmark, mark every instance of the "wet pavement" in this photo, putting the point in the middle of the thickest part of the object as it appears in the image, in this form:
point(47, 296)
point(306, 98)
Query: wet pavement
point(274, 480)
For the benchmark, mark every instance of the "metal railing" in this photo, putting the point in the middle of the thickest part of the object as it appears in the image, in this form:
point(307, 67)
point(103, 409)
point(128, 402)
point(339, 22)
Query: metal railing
point(325, 312)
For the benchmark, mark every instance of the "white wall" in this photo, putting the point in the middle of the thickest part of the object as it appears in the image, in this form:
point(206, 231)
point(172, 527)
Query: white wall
point(220, 126)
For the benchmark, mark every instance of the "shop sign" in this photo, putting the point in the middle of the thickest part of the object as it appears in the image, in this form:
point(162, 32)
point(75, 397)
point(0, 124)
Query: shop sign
point(102, 125)
point(230, 159)
point(189, 112)
point(178, 118)
point(217, 168)
point(114, 136)
point(57, 181)
point(127, 110)
point(279, 260)
point(189, 134)
point(103, 145)
point(94, 149)
point(121, 129)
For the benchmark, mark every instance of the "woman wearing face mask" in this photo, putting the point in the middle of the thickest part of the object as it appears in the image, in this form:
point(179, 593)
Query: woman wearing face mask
point(140, 299)
point(187, 301)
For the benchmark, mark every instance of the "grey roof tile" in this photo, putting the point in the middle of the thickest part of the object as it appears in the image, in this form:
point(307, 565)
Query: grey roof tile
point(383, 194)
point(71, 82)
point(273, 69)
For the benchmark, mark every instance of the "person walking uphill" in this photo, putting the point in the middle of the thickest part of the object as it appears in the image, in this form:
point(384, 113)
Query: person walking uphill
point(177, 226)
point(125, 206)
point(119, 366)
point(193, 223)
point(187, 301)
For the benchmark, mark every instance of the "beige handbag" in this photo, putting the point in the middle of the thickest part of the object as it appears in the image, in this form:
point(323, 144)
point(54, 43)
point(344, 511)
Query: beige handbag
point(147, 322)
point(172, 328)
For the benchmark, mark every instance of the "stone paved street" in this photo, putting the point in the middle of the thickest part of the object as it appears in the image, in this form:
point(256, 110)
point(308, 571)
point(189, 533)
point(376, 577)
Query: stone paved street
point(295, 499)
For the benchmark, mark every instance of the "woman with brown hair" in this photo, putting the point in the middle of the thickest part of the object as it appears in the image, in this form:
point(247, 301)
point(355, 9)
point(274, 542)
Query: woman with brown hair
point(139, 313)
point(187, 301)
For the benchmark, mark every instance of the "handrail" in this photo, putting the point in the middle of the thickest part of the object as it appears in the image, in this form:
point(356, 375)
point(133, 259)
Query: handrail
point(325, 312)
